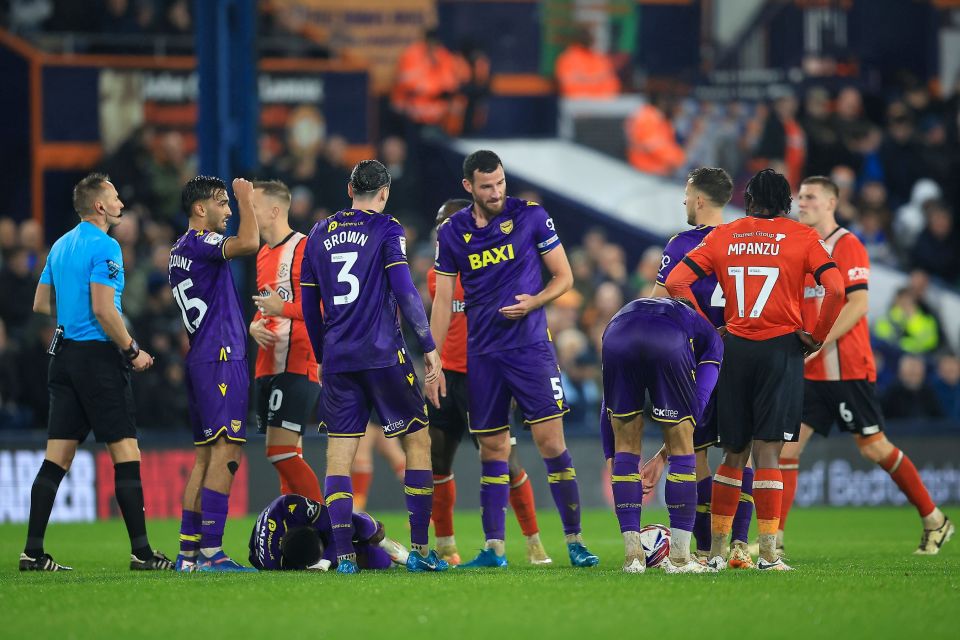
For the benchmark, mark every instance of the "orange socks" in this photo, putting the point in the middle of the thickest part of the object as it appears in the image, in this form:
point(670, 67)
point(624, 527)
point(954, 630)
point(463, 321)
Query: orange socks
point(901, 469)
point(444, 497)
point(296, 476)
point(726, 498)
point(521, 499)
point(767, 496)
point(789, 469)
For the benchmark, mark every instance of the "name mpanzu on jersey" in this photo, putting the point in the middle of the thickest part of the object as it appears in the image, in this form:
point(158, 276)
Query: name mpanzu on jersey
point(491, 256)
point(753, 249)
point(345, 237)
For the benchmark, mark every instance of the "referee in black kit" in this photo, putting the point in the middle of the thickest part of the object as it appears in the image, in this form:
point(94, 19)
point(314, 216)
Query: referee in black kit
point(89, 373)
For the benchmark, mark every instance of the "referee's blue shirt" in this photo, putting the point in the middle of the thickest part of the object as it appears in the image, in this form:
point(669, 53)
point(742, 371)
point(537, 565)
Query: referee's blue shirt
point(84, 255)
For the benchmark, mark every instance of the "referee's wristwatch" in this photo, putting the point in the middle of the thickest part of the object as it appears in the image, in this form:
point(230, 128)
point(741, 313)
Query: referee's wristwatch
point(132, 351)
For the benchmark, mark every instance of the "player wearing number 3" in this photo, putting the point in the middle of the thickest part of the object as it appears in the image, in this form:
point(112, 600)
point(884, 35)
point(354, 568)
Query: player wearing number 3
point(355, 263)
point(760, 261)
point(216, 365)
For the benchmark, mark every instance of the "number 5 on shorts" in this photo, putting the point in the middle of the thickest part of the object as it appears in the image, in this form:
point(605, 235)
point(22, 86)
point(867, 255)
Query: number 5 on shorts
point(557, 391)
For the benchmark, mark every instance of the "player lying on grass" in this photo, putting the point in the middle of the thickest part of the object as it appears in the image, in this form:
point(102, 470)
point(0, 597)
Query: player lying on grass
point(294, 532)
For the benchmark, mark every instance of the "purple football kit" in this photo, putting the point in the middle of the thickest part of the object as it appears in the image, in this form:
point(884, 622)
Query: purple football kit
point(660, 346)
point(505, 358)
point(216, 373)
point(710, 298)
point(293, 511)
point(347, 264)
point(510, 358)
point(355, 266)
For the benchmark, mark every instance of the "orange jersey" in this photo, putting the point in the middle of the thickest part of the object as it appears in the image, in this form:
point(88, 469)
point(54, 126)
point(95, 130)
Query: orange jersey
point(760, 264)
point(850, 357)
point(454, 355)
point(279, 267)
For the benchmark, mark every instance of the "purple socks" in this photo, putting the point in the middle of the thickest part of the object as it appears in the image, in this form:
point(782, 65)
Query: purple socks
point(627, 490)
point(566, 495)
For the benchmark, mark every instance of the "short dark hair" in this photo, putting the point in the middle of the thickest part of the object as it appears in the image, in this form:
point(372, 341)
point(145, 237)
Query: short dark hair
point(86, 191)
point(826, 183)
point(768, 193)
point(300, 548)
point(483, 161)
point(275, 188)
point(369, 176)
point(450, 207)
point(200, 188)
point(715, 183)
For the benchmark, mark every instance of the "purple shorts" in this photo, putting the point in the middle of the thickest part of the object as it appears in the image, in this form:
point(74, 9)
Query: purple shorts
point(217, 393)
point(347, 398)
point(705, 433)
point(529, 374)
point(654, 357)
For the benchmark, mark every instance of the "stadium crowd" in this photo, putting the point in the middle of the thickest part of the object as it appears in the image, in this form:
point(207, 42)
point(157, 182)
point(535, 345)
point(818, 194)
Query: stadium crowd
point(891, 155)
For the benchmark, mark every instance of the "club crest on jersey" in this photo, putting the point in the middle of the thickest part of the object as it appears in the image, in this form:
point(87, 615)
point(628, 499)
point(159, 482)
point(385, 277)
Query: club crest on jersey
point(491, 256)
point(467, 236)
point(506, 226)
point(235, 425)
point(283, 270)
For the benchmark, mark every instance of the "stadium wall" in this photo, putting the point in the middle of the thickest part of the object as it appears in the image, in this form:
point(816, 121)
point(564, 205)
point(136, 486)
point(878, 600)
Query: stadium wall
point(833, 474)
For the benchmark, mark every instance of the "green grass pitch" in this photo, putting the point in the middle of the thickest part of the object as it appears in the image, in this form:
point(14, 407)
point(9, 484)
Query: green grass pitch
point(855, 578)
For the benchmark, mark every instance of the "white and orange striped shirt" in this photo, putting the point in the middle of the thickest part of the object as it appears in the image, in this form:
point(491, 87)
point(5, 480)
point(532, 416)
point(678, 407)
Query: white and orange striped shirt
point(279, 267)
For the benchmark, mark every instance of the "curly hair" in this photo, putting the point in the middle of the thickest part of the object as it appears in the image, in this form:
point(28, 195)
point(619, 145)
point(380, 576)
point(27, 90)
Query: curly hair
point(768, 194)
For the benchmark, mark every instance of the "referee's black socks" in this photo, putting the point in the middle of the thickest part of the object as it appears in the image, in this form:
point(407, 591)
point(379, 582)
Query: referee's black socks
point(42, 496)
point(129, 492)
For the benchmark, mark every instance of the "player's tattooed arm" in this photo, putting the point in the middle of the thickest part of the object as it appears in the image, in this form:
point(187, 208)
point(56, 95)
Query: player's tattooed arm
point(247, 240)
point(561, 282)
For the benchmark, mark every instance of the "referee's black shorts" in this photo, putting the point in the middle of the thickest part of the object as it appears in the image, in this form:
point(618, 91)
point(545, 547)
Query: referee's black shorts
point(89, 383)
point(760, 391)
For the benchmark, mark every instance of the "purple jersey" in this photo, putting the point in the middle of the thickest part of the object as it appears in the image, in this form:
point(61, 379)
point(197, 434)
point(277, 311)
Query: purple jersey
point(283, 514)
point(707, 291)
point(704, 339)
point(203, 288)
point(496, 263)
point(346, 258)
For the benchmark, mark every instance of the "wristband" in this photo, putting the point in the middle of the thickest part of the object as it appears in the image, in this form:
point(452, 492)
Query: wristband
point(132, 351)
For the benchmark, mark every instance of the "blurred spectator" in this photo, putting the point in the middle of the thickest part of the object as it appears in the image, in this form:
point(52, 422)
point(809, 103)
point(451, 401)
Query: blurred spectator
point(425, 82)
point(846, 180)
point(469, 109)
point(579, 373)
point(582, 72)
point(652, 145)
point(334, 175)
point(11, 414)
point(946, 384)
point(908, 326)
point(645, 275)
point(900, 154)
point(32, 362)
point(911, 396)
point(936, 248)
point(823, 141)
point(8, 237)
point(849, 120)
point(405, 184)
point(168, 170)
point(18, 284)
point(564, 312)
point(31, 240)
point(782, 144)
point(936, 156)
point(607, 300)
